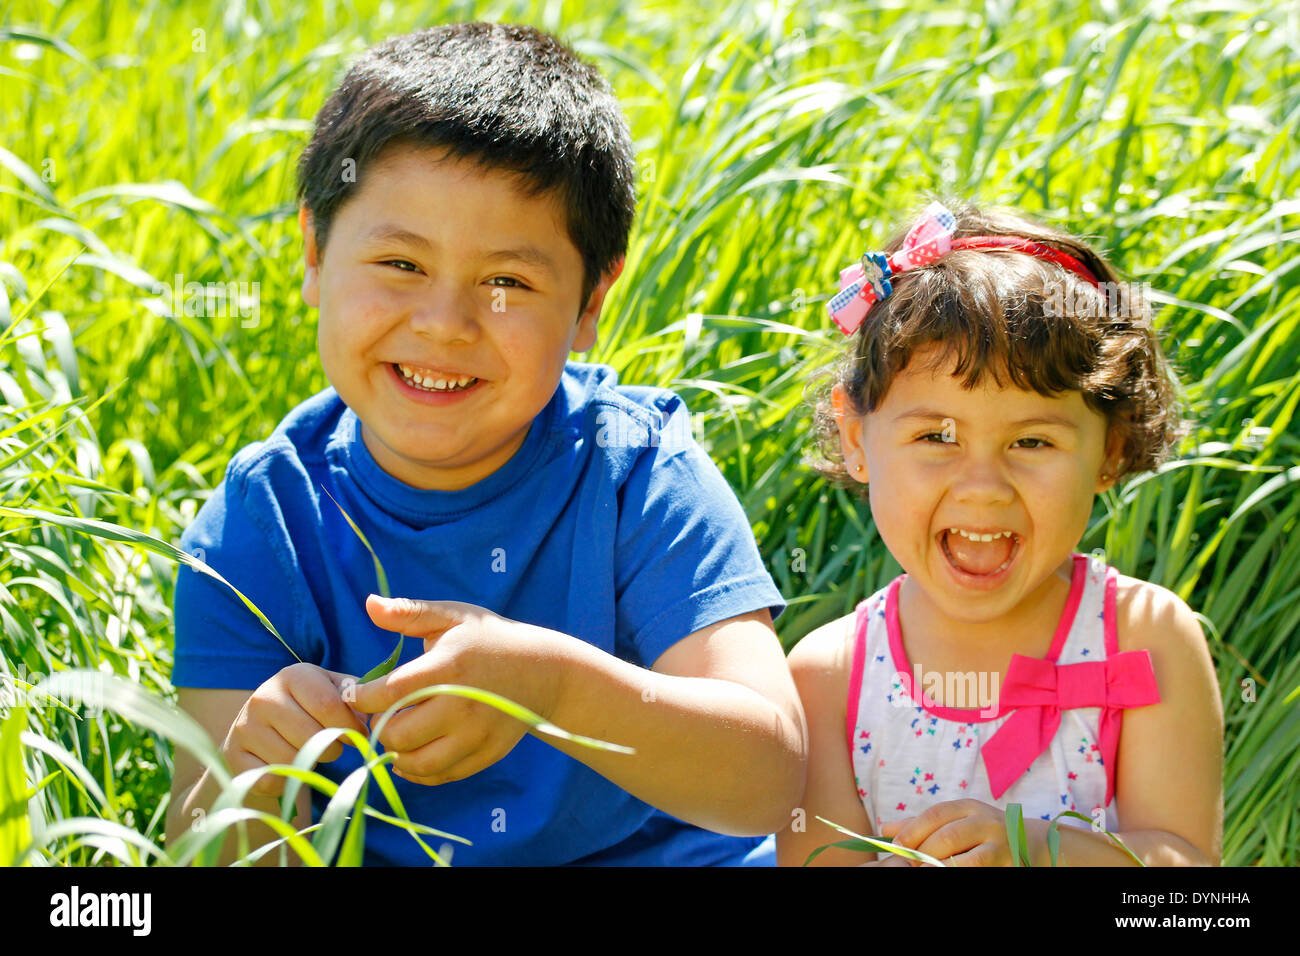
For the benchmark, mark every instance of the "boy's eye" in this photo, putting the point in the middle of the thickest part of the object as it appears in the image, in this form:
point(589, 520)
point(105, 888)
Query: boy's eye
point(1042, 443)
point(943, 440)
point(400, 262)
point(511, 279)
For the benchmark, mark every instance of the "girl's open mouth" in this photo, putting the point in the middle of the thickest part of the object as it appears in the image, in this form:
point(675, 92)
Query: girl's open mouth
point(979, 561)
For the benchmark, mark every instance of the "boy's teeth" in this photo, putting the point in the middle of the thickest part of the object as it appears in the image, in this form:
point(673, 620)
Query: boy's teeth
point(417, 378)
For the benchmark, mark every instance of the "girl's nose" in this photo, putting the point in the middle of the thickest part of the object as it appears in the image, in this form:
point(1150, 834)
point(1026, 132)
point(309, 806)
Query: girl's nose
point(983, 481)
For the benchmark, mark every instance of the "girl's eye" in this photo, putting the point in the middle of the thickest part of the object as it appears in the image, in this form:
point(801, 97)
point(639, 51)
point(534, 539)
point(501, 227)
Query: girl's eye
point(943, 440)
point(1042, 443)
point(400, 262)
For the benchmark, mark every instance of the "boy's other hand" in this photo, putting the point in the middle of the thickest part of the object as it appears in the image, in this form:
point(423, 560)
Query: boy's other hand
point(282, 715)
point(446, 738)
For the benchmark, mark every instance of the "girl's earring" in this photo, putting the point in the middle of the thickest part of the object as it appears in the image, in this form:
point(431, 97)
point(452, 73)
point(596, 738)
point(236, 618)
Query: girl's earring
point(858, 469)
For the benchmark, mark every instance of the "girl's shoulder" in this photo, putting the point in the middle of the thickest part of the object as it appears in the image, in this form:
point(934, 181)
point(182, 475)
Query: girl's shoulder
point(828, 648)
point(1150, 616)
point(832, 644)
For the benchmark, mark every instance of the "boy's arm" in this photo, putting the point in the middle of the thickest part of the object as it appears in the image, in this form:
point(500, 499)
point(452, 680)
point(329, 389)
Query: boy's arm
point(1169, 773)
point(820, 666)
point(717, 725)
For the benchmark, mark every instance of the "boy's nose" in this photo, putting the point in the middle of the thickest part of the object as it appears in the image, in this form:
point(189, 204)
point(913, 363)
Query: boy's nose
point(446, 319)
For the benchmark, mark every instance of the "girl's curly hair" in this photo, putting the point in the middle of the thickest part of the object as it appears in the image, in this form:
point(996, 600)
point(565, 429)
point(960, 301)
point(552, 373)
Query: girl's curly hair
point(1001, 312)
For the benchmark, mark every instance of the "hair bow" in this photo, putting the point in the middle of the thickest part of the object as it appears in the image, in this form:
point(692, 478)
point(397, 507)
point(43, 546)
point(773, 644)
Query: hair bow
point(865, 283)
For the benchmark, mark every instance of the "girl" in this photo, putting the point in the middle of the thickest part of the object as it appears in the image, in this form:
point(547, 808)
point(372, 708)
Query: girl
point(998, 376)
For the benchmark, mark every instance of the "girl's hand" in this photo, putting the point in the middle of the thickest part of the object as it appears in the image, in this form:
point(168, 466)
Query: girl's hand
point(958, 832)
point(446, 738)
point(888, 859)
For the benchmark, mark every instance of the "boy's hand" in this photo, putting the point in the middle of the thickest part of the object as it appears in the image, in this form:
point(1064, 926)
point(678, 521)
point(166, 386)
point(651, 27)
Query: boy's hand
point(282, 715)
point(446, 738)
point(958, 832)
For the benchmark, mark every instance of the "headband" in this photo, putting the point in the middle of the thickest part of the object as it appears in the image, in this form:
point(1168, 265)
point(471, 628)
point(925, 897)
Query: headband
point(865, 283)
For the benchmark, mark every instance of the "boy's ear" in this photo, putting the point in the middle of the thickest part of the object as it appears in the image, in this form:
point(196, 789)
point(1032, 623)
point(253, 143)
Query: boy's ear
point(311, 273)
point(585, 337)
point(850, 426)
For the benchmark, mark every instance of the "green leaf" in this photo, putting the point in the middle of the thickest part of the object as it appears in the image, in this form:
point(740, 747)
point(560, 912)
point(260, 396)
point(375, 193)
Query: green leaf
point(885, 846)
point(1116, 840)
point(386, 665)
point(858, 845)
point(1054, 840)
point(1016, 835)
point(137, 705)
point(379, 568)
point(15, 835)
point(112, 532)
point(519, 712)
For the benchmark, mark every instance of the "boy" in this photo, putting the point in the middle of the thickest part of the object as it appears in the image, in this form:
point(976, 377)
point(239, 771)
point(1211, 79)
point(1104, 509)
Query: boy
point(465, 202)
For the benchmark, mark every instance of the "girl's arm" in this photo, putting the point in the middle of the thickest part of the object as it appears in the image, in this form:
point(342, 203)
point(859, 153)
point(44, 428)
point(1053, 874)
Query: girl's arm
point(820, 665)
point(1169, 776)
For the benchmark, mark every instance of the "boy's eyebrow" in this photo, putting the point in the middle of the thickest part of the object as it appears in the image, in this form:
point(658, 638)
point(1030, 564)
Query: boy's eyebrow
point(929, 414)
point(527, 253)
point(391, 233)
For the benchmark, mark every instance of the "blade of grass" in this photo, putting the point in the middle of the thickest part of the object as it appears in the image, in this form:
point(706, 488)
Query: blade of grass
point(386, 665)
point(885, 846)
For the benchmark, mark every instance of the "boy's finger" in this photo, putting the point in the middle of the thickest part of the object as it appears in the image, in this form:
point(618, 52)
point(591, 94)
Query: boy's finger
point(376, 696)
point(423, 619)
point(347, 685)
point(321, 700)
point(372, 697)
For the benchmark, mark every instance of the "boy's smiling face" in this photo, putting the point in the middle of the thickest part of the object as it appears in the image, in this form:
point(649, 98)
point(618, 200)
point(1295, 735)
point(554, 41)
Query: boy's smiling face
point(448, 269)
point(988, 460)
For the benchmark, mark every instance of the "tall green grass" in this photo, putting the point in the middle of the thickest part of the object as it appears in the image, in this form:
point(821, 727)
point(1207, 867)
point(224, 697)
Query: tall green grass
point(775, 142)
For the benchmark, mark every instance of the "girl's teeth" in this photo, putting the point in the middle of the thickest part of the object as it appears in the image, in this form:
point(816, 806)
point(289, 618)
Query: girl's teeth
point(979, 537)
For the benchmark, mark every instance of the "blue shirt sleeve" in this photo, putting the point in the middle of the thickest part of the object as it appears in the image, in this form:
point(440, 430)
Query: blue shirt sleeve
point(685, 553)
point(219, 642)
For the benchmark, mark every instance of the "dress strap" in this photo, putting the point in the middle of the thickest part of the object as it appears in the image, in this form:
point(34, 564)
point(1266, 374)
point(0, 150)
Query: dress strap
point(852, 703)
point(1108, 610)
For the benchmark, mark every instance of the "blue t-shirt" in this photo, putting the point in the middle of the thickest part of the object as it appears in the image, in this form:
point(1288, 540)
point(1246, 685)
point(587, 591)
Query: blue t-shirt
point(609, 524)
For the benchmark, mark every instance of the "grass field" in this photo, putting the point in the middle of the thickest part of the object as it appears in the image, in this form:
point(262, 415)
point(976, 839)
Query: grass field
point(775, 141)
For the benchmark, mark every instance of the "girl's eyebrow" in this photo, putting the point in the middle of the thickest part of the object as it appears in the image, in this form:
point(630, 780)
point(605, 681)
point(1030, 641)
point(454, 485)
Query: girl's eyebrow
point(929, 414)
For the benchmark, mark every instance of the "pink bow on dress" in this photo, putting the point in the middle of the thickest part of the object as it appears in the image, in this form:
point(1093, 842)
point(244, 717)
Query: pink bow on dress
point(1039, 690)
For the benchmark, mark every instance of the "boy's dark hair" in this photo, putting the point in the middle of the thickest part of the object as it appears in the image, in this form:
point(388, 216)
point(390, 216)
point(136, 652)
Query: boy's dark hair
point(1000, 312)
point(507, 97)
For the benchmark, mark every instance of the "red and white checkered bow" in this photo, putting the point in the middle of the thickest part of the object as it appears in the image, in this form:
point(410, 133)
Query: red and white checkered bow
point(865, 283)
